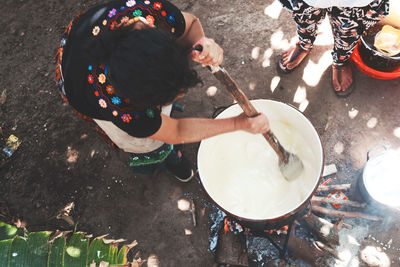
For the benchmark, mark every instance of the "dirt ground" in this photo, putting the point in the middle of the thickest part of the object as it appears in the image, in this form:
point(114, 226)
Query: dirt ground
point(61, 160)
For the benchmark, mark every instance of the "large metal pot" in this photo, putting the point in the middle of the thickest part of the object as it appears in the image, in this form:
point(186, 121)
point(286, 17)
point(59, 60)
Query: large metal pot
point(379, 182)
point(209, 164)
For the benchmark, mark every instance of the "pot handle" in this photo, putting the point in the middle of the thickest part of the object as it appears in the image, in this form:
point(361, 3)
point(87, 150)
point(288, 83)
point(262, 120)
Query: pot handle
point(218, 110)
point(374, 149)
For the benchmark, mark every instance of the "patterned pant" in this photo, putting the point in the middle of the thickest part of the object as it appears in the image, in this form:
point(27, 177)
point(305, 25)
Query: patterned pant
point(348, 24)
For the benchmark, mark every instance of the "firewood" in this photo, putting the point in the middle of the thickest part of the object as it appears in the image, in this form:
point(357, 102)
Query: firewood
point(324, 247)
point(231, 249)
point(340, 224)
point(325, 188)
point(325, 230)
point(303, 250)
point(193, 211)
point(347, 214)
point(318, 200)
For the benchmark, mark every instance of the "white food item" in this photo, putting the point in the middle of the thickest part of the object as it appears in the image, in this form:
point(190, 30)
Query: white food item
point(243, 175)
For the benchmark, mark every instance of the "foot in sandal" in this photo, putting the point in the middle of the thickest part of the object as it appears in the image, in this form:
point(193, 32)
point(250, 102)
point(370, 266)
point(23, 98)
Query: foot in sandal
point(292, 58)
point(342, 79)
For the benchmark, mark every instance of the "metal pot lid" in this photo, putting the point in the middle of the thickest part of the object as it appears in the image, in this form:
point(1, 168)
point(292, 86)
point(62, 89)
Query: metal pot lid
point(381, 177)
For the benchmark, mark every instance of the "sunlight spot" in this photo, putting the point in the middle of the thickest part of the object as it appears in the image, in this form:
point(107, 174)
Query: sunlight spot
point(277, 41)
point(188, 232)
point(300, 95)
point(73, 251)
point(353, 113)
point(303, 105)
point(252, 86)
point(183, 204)
point(92, 153)
point(267, 57)
point(102, 264)
point(274, 83)
point(84, 136)
point(396, 132)
point(324, 36)
point(374, 257)
point(11, 231)
point(255, 53)
point(338, 148)
point(273, 10)
point(372, 122)
point(313, 71)
point(211, 91)
point(72, 155)
point(153, 261)
point(14, 254)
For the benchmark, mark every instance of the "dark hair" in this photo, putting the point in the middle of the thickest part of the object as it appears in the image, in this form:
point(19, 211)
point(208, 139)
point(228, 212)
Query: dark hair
point(147, 66)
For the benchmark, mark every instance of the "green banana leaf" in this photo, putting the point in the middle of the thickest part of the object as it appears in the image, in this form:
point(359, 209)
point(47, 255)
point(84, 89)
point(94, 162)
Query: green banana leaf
point(19, 248)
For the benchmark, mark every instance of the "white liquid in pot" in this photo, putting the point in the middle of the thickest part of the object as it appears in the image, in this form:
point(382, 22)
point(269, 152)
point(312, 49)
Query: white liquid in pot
point(246, 180)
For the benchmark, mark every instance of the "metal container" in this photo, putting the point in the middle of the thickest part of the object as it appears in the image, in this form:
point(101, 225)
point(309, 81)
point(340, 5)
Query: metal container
point(374, 58)
point(294, 119)
point(379, 182)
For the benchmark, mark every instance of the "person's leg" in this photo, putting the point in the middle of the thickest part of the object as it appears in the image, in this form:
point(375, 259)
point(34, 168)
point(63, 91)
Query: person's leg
point(307, 19)
point(178, 165)
point(348, 24)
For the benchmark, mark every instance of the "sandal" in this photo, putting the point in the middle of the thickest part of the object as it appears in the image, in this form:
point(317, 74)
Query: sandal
point(294, 53)
point(339, 71)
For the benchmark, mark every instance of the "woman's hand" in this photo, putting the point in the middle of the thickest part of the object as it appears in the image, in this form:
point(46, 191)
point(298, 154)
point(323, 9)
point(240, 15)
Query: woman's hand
point(255, 125)
point(212, 53)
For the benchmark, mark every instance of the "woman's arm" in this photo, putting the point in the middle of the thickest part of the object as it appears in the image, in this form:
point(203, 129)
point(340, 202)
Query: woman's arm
point(189, 130)
point(212, 53)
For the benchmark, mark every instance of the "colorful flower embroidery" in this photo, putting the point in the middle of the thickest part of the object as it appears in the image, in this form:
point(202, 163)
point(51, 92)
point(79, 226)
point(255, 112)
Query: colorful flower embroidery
point(137, 13)
point(115, 113)
point(96, 30)
point(113, 25)
point(130, 3)
point(105, 22)
point(102, 103)
point(112, 13)
point(147, 2)
point(150, 113)
point(102, 78)
point(126, 118)
point(96, 93)
point(90, 68)
point(171, 18)
point(110, 89)
point(150, 20)
point(90, 79)
point(116, 100)
point(163, 13)
point(157, 5)
point(124, 19)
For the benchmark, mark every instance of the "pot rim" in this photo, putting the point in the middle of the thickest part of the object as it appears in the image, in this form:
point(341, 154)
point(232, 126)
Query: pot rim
point(301, 205)
point(379, 53)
